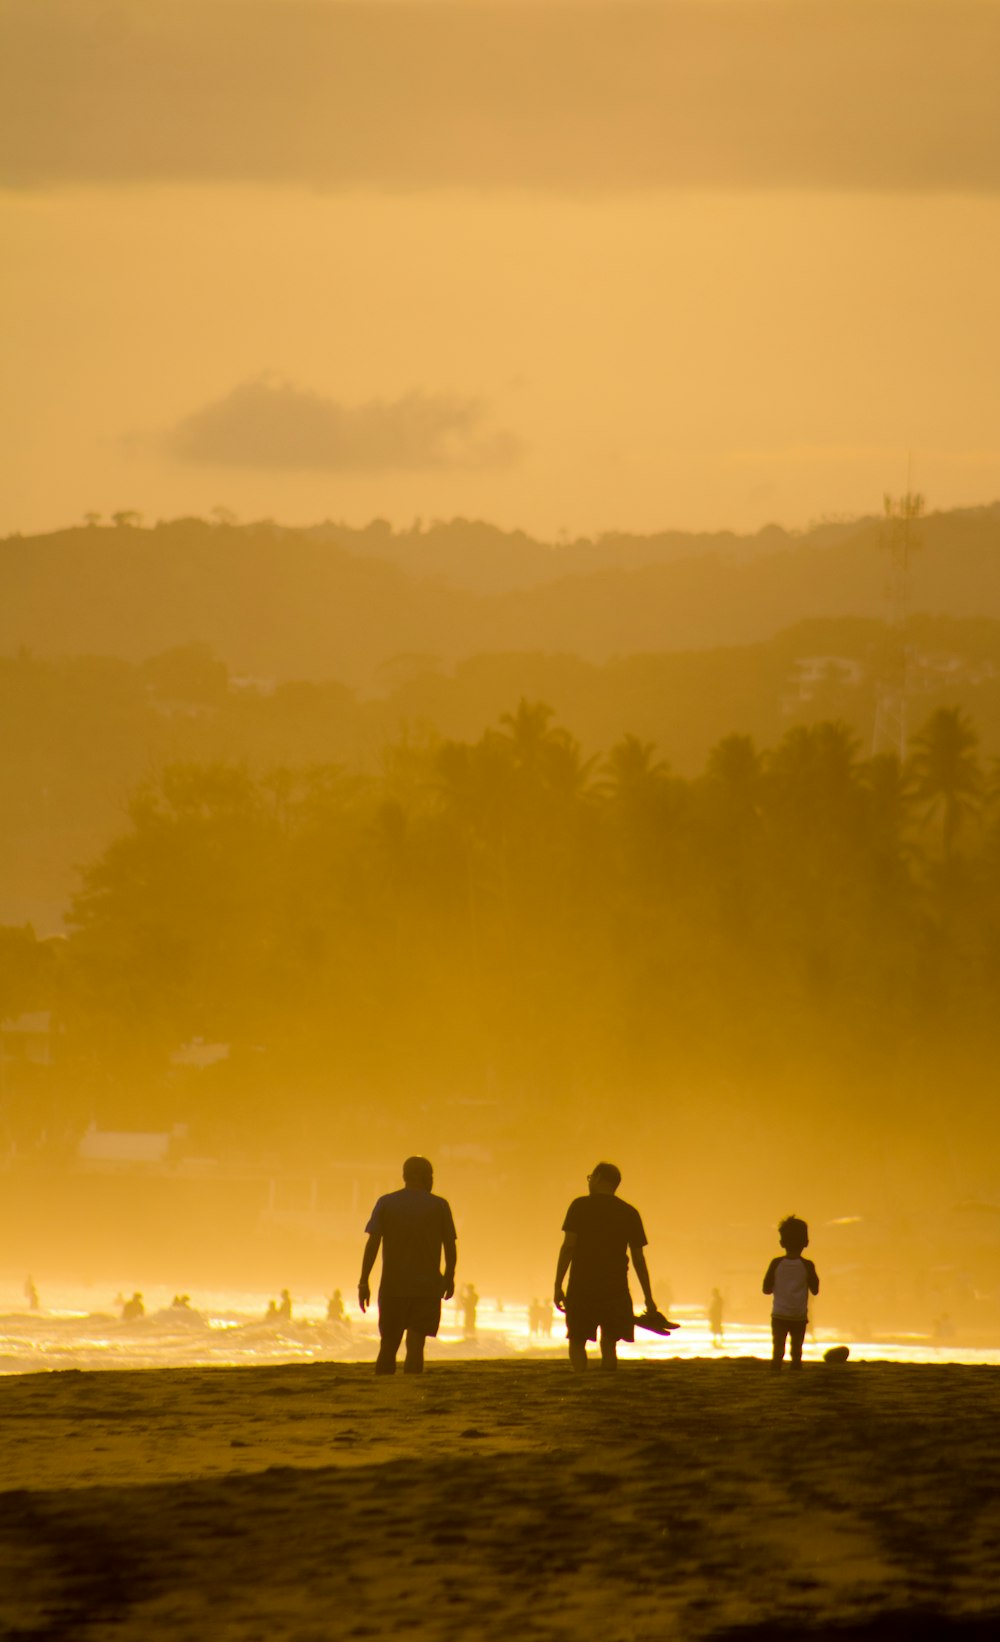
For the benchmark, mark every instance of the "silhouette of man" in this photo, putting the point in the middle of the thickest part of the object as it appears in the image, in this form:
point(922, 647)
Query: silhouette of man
point(414, 1228)
point(470, 1300)
point(601, 1232)
point(715, 1317)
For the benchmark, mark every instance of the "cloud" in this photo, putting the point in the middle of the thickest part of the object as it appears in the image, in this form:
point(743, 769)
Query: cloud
point(271, 424)
point(858, 94)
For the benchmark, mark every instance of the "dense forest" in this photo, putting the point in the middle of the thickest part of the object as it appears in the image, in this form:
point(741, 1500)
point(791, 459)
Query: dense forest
point(497, 923)
point(496, 903)
point(79, 733)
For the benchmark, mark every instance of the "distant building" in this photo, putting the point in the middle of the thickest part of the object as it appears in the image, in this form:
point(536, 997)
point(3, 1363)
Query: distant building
point(124, 1146)
point(930, 670)
point(27, 1039)
point(199, 1054)
point(811, 673)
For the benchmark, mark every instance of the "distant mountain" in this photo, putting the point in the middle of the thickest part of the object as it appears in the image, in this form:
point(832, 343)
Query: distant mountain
point(332, 603)
point(483, 559)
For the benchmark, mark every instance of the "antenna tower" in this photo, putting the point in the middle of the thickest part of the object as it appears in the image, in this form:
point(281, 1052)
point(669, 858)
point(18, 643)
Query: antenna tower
point(900, 539)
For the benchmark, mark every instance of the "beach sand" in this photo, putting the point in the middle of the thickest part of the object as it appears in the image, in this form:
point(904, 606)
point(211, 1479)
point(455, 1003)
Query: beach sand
point(501, 1500)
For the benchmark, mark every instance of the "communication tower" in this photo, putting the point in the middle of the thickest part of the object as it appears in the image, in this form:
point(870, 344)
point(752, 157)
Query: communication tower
point(900, 539)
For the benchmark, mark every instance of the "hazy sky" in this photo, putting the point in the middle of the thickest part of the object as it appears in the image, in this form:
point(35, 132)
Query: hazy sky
point(562, 265)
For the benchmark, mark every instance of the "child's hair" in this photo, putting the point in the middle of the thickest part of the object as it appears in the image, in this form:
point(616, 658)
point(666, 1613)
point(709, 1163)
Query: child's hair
point(793, 1234)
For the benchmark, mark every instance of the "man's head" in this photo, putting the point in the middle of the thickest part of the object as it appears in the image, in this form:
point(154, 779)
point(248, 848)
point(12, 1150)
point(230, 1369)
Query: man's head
point(418, 1171)
point(793, 1234)
point(604, 1179)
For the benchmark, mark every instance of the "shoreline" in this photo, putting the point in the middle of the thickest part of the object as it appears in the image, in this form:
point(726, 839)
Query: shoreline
point(498, 1498)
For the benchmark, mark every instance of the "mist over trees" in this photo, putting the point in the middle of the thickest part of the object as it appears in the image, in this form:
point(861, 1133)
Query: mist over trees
point(509, 931)
point(79, 733)
point(504, 905)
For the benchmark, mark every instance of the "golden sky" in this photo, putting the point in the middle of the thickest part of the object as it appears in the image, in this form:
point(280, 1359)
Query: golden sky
point(563, 265)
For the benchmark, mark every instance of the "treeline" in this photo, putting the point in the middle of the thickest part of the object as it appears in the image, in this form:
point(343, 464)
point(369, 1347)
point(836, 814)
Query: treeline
point(78, 734)
point(287, 603)
point(502, 932)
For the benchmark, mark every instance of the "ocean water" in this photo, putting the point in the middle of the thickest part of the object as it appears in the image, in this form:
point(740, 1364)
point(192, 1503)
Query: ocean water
point(77, 1328)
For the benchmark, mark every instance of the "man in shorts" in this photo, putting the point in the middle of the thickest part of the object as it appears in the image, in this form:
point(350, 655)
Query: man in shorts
point(413, 1228)
point(600, 1233)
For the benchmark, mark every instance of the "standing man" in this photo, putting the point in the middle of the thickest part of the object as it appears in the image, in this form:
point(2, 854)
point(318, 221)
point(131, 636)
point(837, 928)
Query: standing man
point(413, 1228)
point(600, 1233)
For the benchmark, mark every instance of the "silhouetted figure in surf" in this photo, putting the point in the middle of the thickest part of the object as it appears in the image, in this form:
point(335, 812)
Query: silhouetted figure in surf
point(790, 1279)
point(601, 1231)
point(545, 1319)
point(335, 1312)
point(133, 1308)
point(30, 1292)
point(181, 1302)
point(470, 1300)
point(414, 1229)
point(715, 1317)
point(284, 1309)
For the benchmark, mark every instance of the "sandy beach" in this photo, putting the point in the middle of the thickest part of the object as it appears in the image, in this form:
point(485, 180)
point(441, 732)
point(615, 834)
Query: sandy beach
point(501, 1499)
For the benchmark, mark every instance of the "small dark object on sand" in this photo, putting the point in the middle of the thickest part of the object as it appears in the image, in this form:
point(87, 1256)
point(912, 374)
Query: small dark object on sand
point(837, 1354)
point(655, 1322)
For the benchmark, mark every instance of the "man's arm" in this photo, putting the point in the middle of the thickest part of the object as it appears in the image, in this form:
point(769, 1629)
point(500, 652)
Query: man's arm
point(562, 1267)
point(450, 1260)
point(642, 1272)
point(367, 1262)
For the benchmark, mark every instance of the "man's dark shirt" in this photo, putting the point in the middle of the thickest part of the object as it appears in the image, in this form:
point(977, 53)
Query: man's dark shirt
point(604, 1227)
point(414, 1226)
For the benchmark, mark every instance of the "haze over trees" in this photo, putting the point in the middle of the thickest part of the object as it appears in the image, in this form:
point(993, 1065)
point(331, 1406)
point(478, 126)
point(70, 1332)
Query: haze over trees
point(503, 924)
point(503, 900)
point(339, 603)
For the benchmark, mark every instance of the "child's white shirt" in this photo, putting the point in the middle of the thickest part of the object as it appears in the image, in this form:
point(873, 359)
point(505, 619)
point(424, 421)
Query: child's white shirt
point(791, 1287)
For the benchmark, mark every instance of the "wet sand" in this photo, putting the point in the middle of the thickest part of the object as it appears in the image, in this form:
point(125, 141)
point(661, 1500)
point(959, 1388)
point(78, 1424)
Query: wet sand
point(500, 1500)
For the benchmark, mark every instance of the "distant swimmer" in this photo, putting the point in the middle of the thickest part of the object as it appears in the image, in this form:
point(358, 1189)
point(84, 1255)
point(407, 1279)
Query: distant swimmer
point(534, 1318)
point(285, 1306)
point(545, 1319)
point(335, 1312)
point(715, 1317)
point(414, 1230)
point(790, 1279)
point(181, 1302)
point(133, 1308)
point(30, 1292)
point(469, 1300)
point(601, 1231)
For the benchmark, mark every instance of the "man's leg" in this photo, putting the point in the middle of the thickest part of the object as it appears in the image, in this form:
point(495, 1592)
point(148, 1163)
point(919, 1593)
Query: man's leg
point(609, 1350)
point(578, 1355)
point(390, 1327)
point(414, 1360)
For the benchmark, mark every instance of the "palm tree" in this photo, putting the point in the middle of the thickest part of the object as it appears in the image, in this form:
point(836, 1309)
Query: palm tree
point(735, 772)
point(528, 732)
point(632, 769)
point(889, 792)
point(946, 772)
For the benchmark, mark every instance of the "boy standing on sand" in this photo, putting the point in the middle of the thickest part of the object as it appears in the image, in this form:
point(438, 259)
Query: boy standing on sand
point(600, 1233)
point(413, 1228)
point(790, 1279)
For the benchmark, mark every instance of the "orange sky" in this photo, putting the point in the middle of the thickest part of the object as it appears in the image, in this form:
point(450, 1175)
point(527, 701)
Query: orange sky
point(568, 266)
